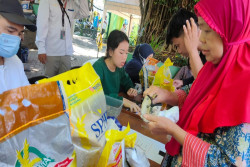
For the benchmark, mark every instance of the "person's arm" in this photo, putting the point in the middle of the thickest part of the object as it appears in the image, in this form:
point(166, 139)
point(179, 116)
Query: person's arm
point(81, 9)
point(191, 40)
point(131, 105)
point(195, 63)
point(164, 96)
point(42, 26)
point(230, 148)
point(164, 126)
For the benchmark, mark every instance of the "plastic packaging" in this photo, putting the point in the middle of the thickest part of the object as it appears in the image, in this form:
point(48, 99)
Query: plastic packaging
point(163, 77)
point(88, 115)
point(34, 127)
point(114, 152)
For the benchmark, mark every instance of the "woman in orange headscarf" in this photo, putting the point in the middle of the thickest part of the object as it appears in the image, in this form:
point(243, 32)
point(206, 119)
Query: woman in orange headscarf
point(214, 124)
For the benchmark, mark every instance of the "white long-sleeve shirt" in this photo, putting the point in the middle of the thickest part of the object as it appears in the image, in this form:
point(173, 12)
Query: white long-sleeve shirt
point(12, 74)
point(49, 26)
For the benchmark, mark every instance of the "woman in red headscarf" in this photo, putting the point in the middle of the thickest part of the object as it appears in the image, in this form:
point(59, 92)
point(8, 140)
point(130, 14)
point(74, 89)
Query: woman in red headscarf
point(214, 124)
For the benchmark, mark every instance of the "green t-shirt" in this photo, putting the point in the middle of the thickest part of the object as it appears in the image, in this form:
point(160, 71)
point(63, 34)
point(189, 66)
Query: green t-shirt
point(112, 82)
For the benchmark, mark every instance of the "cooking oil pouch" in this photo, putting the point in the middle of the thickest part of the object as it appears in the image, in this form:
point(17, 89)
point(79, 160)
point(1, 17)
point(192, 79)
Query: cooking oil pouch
point(113, 154)
point(34, 128)
point(88, 116)
point(152, 61)
point(163, 77)
point(147, 73)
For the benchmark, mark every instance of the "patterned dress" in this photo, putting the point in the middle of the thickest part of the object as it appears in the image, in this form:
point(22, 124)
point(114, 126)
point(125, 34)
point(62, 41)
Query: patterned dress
point(227, 146)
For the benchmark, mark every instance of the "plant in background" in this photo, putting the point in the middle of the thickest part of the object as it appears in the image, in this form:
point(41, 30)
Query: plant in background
point(134, 35)
point(157, 45)
point(179, 60)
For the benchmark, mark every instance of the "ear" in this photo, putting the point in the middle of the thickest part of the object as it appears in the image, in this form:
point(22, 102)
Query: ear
point(111, 52)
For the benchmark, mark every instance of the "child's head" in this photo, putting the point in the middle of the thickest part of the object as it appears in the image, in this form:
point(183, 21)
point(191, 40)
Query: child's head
point(175, 33)
point(117, 48)
point(211, 42)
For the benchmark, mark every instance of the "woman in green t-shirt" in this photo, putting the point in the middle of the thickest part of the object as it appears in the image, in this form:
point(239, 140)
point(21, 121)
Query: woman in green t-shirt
point(111, 72)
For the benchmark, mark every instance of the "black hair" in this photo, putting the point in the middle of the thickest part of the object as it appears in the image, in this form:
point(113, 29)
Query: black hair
point(175, 25)
point(114, 39)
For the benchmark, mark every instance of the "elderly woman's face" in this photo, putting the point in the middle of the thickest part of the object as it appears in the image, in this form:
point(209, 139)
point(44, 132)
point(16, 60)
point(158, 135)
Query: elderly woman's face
point(211, 43)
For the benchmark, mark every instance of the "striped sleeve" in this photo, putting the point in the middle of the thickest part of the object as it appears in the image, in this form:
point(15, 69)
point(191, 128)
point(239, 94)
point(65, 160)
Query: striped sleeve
point(194, 151)
point(181, 97)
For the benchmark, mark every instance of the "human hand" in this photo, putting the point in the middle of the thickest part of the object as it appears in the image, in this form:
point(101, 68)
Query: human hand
point(157, 92)
point(42, 58)
point(131, 105)
point(160, 125)
point(178, 83)
point(132, 92)
point(191, 36)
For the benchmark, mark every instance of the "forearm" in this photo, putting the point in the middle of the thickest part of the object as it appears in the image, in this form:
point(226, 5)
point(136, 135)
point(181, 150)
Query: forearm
point(179, 134)
point(171, 99)
point(195, 63)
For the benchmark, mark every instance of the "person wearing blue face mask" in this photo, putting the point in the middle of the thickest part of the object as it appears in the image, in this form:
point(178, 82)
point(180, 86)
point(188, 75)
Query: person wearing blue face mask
point(133, 67)
point(12, 24)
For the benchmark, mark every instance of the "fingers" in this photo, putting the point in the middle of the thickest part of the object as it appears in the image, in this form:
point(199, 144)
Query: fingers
point(138, 109)
point(193, 24)
point(135, 108)
point(175, 83)
point(151, 91)
point(129, 92)
point(185, 30)
point(42, 58)
point(150, 118)
point(132, 92)
point(188, 26)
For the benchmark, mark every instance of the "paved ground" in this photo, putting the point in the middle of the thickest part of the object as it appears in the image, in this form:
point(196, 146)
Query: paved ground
point(85, 49)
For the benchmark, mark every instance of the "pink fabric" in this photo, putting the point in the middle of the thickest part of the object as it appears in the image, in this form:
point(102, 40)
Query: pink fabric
point(220, 96)
point(194, 151)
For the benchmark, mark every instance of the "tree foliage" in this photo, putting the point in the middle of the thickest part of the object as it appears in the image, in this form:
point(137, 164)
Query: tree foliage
point(155, 15)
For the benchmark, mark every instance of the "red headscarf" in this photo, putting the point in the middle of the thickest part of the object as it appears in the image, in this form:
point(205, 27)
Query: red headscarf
point(220, 96)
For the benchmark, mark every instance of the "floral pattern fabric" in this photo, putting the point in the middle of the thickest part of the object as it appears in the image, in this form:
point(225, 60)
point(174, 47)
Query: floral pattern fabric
point(229, 147)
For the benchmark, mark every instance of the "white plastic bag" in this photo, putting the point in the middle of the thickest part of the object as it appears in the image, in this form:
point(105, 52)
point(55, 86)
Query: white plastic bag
point(136, 157)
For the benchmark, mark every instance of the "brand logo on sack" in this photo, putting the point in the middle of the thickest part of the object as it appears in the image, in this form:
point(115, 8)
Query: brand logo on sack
point(100, 126)
point(96, 87)
point(24, 160)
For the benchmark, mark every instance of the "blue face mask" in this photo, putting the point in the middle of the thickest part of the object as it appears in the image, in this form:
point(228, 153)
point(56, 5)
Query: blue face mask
point(9, 45)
